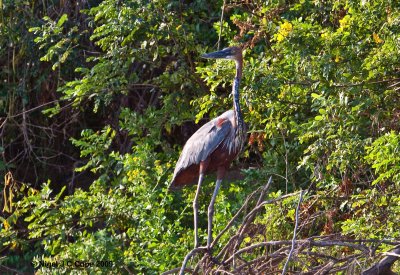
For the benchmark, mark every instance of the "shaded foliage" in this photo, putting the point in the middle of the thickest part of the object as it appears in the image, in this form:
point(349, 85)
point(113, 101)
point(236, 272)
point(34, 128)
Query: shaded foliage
point(100, 96)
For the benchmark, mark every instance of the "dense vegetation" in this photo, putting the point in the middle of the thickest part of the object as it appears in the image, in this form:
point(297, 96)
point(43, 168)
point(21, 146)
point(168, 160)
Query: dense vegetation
point(98, 97)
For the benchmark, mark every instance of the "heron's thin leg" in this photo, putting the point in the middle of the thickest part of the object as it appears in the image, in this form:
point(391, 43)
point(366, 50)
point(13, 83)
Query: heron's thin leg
point(195, 211)
point(211, 212)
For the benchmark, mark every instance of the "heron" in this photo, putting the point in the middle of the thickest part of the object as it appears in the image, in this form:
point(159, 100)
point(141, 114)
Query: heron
point(214, 146)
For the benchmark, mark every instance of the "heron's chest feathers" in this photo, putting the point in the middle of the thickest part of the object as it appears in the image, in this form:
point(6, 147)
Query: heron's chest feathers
point(234, 141)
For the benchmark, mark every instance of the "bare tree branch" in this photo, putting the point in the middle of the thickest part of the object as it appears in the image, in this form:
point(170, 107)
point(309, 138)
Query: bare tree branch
point(324, 254)
point(383, 266)
point(294, 234)
point(188, 256)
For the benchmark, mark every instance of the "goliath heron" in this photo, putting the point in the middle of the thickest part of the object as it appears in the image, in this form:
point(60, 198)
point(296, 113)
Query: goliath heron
point(214, 146)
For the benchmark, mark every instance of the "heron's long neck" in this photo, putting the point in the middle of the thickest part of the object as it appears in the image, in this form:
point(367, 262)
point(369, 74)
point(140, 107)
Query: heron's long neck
point(235, 92)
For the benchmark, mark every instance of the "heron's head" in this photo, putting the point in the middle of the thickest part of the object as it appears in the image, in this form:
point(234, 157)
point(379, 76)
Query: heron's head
point(234, 53)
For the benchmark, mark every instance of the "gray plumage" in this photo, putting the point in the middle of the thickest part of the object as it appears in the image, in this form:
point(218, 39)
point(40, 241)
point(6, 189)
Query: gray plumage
point(206, 139)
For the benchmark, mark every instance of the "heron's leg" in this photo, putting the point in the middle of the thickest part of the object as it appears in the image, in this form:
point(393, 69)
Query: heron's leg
point(211, 212)
point(195, 211)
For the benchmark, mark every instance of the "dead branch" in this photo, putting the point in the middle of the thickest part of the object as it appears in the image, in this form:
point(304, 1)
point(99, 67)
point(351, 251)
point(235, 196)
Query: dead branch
point(325, 254)
point(188, 256)
point(325, 269)
point(294, 234)
point(383, 267)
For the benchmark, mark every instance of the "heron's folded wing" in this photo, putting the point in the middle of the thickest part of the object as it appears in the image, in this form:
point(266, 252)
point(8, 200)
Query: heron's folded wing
point(203, 142)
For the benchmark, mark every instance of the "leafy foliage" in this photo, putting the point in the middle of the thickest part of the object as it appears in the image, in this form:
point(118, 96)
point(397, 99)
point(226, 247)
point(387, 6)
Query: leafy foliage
point(124, 88)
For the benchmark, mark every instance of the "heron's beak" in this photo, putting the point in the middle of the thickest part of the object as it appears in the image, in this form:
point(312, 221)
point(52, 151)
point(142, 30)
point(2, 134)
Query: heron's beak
point(225, 53)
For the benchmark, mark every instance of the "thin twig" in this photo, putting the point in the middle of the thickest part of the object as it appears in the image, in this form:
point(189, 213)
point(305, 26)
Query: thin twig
point(261, 205)
point(286, 163)
point(364, 83)
point(325, 269)
point(221, 23)
point(254, 246)
point(391, 254)
point(263, 191)
point(37, 107)
point(294, 234)
point(276, 254)
point(128, 270)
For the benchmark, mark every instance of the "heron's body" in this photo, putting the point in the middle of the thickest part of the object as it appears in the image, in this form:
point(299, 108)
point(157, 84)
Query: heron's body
point(214, 146)
point(215, 143)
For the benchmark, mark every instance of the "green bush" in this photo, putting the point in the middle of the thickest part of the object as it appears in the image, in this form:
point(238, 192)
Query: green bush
point(320, 95)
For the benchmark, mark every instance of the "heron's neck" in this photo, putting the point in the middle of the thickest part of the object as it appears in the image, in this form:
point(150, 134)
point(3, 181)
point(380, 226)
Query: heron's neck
point(235, 92)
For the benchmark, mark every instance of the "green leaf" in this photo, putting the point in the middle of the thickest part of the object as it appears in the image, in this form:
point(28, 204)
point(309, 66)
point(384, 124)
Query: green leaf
point(319, 118)
point(62, 20)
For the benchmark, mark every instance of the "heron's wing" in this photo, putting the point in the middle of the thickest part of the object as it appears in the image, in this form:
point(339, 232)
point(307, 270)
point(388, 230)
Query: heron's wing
point(204, 141)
